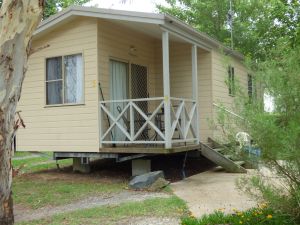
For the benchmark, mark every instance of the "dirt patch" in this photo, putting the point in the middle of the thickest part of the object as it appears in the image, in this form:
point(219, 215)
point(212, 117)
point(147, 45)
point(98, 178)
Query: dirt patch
point(109, 171)
point(171, 165)
point(102, 171)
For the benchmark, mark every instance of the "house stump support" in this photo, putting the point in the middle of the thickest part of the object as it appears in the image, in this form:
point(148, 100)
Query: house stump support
point(140, 166)
point(195, 89)
point(81, 164)
point(166, 84)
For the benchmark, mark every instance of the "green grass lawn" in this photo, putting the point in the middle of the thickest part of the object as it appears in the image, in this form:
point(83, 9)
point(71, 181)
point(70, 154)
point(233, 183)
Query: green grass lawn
point(35, 190)
point(39, 185)
point(36, 193)
point(22, 154)
point(42, 162)
point(164, 207)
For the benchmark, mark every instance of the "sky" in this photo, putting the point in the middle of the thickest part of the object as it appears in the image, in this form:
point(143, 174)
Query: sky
point(130, 5)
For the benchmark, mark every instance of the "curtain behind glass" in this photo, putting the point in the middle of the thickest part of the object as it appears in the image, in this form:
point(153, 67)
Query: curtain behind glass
point(118, 91)
point(54, 81)
point(73, 85)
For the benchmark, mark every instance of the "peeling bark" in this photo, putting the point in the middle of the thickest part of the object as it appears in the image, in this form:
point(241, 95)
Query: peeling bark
point(18, 20)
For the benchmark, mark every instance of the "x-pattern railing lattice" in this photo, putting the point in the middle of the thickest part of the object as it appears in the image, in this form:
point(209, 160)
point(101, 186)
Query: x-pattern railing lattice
point(183, 117)
point(183, 113)
point(128, 129)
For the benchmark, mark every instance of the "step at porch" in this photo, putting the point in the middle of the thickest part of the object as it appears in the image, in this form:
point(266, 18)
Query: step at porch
point(215, 153)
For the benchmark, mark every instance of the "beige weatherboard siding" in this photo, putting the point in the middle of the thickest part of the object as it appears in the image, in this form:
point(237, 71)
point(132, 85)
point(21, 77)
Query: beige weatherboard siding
point(220, 93)
point(181, 80)
point(114, 42)
point(61, 128)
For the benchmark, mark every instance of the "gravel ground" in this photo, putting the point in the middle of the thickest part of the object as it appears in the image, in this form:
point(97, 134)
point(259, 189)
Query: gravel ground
point(92, 202)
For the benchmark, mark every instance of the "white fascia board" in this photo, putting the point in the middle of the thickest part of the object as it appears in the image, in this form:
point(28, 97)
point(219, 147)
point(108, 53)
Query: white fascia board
point(100, 13)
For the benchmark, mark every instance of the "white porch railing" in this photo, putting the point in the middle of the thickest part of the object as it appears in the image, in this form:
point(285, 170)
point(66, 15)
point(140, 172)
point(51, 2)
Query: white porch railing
point(142, 121)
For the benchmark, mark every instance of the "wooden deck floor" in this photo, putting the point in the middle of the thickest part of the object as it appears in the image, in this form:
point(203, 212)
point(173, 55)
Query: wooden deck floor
point(148, 149)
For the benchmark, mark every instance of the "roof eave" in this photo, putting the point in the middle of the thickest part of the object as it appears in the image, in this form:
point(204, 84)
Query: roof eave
point(211, 41)
point(153, 18)
point(99, 13)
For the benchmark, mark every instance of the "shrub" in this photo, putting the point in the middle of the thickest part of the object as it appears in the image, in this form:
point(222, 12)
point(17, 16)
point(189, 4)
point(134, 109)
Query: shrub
point(253, 216)
point(277, 134)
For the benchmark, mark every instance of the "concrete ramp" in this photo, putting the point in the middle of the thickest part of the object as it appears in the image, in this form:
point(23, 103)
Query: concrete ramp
point(210, 191)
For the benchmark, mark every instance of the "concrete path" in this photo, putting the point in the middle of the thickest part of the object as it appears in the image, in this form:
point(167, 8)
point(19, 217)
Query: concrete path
point(91, 202)
point(149, 220)
point(210, 191)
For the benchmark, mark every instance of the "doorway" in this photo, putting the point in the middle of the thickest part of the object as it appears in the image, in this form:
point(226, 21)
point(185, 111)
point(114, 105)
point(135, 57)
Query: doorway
point(124, 85)
point(119, 77)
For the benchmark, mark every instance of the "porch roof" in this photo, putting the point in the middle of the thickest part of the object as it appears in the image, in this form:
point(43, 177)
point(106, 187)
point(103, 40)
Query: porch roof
point(162, 21)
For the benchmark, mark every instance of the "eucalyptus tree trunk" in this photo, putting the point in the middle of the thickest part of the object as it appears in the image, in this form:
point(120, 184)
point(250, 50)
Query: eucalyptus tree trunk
point(18, 20)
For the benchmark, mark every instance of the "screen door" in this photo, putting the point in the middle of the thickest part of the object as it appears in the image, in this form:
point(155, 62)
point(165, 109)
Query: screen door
point(139, 89)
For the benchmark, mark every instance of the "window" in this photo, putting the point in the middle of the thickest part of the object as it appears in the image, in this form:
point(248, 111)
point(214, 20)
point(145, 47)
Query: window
point(251, 87)
point(64, 80)
point(231, 84)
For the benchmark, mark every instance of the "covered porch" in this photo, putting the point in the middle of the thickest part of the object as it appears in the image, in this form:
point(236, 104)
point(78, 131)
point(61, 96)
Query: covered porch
point(159, 121)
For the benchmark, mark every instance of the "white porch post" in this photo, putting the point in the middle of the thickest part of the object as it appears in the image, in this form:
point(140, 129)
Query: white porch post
point(195, 88)
point(100, 126)
point(166, 81)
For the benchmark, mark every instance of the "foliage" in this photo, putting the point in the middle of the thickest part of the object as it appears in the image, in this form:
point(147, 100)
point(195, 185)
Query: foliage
point(250, 217)
point(277, 134)
point(53, 6)
point(257, 24)
point(158, 207)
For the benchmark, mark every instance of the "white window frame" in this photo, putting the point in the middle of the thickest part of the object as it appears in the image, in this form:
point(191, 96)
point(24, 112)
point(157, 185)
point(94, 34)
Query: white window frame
point(63, 81)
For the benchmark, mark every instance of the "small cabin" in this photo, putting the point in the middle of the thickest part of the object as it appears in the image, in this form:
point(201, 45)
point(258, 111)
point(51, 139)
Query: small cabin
point(109, 82)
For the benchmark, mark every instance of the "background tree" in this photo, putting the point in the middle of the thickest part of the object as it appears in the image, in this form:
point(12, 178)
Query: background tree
point(18, 21)
point(257, 24)
point(53, 6)
point(276, 134)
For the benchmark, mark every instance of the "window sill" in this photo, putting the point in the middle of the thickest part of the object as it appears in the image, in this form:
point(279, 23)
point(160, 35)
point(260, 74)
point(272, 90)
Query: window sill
point(62, 105)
